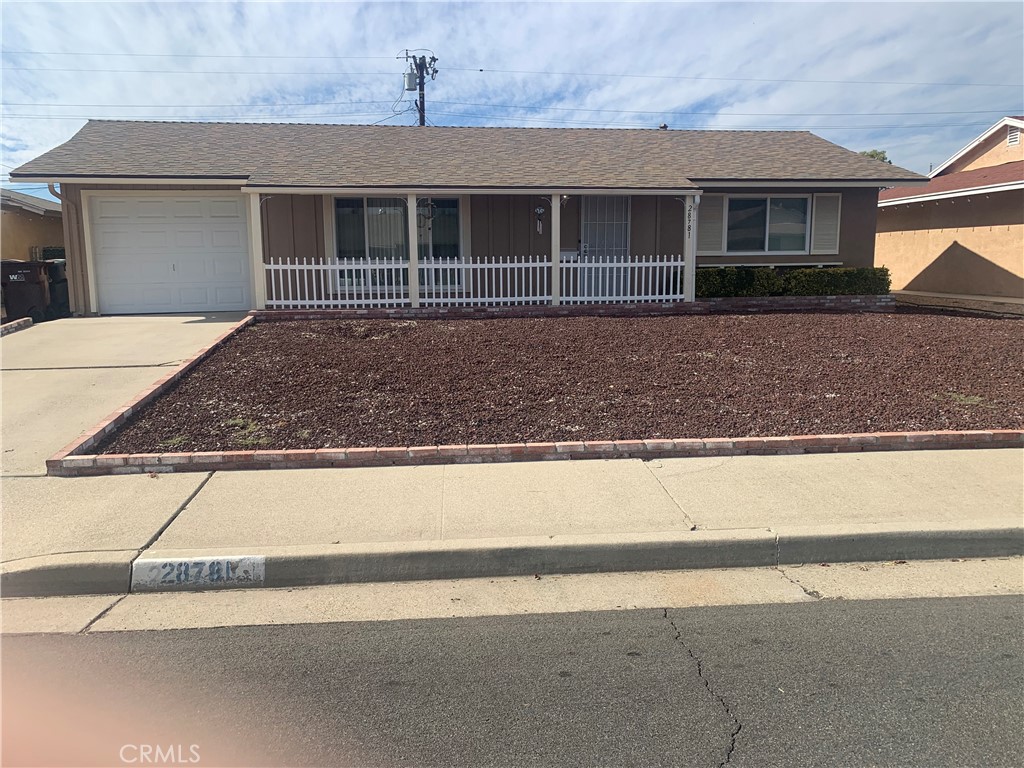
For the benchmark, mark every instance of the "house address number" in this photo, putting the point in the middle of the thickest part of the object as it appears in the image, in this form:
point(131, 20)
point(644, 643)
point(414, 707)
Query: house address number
point(153, 574)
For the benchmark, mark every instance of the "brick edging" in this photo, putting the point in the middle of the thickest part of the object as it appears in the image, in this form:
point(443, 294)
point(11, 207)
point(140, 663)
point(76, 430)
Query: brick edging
point(733, 304)
point(75, 451)
point(69, 464)
point(15, 325)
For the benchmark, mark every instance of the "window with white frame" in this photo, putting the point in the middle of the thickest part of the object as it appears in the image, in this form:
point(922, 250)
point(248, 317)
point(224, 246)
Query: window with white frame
point(768, 224)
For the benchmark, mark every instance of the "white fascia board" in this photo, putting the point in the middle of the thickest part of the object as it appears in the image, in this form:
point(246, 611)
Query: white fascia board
point(878, 184)
point(1009, 187)
point(184, 181)
point(981, 139)
point(452, 191)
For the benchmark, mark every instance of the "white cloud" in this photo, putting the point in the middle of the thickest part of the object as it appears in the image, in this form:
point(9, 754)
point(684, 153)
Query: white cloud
point(907, 42)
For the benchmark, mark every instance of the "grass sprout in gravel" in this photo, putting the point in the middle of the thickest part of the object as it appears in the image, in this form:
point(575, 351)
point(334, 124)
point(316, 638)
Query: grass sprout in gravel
point(329, 383)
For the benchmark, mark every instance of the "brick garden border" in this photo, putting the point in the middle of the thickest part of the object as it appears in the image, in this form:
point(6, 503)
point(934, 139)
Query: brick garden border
point(15, 325)
point(74, 461)
point(884, 303)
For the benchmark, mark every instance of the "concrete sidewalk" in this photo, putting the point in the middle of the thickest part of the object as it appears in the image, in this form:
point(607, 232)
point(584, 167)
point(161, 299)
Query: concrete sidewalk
point(457, 521)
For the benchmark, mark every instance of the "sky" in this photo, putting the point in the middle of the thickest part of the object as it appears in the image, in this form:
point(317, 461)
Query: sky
point(918, 79)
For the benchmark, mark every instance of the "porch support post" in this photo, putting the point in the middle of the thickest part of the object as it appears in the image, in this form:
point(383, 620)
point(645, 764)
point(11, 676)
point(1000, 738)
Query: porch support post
point(556, 250)
point(259, 272)
point(690, 248)
point(414, 254)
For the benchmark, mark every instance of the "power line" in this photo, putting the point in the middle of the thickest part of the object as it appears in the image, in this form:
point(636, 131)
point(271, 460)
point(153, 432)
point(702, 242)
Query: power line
point(605, 75)
point(730, 114)
point(196, 118)
point(729, 79)
point(745, 128)
point(565, 121)
point(513, 106)
point(187, 55)
point(193, 72)
point(195, 106)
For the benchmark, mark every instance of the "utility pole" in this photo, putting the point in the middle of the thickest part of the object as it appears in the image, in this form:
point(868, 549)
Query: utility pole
point(416, 78)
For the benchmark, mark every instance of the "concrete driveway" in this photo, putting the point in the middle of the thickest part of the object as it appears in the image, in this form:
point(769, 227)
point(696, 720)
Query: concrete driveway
point(61, 377)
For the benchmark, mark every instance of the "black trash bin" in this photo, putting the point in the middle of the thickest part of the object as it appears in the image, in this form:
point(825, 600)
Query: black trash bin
point(26, 287)
point(60, 300)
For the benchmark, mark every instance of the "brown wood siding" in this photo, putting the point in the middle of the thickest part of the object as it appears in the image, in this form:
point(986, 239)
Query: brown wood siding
point(293, 227)
point(74, 231)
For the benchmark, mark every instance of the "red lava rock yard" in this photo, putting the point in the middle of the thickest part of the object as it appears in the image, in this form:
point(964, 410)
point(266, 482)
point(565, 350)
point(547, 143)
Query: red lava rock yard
point(356, 383)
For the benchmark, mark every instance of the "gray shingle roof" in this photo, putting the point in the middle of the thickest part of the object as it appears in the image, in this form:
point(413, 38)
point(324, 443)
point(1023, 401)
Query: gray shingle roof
point(280, 154)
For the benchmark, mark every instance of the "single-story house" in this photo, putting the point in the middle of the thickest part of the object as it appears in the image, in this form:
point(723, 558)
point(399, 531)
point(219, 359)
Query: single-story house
point(188, 216)
point(963, 232)
point(28, 224)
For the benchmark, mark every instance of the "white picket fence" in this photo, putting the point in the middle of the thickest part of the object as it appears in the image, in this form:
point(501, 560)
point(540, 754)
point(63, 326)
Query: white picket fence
point(638, 279)
point(514, 280)
point(500, 281)
point(339, 284)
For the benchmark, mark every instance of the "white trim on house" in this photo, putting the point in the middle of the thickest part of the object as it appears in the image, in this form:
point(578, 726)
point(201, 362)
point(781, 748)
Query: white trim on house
point(254, 213)
point(1007, 187)
point(185, 181)
point(459, 191)
point(823, 184)
point(1006, 121)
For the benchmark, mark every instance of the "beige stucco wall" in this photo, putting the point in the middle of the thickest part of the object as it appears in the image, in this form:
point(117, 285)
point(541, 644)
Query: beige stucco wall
point(21, 229)
point(967, 245)
point(993, 151)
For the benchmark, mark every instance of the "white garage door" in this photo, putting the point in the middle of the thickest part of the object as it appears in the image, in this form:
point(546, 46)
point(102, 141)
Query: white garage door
point(170, 253)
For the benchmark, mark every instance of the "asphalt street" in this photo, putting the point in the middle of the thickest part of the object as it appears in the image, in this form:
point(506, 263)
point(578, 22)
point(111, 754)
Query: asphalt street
point(926, 682)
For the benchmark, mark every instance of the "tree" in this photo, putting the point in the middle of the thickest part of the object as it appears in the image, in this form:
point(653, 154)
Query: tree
point(877, 154)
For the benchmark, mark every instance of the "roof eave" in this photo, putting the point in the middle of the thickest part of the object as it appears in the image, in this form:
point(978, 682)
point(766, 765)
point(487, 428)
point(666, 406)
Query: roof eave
point(84, 178)
point(989, 189)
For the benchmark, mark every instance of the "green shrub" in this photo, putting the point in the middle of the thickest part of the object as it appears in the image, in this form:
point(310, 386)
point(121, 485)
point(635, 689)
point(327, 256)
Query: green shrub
point(765, 281)
point(838, 281)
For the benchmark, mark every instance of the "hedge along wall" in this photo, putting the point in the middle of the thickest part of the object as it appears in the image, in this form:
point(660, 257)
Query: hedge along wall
point(764, 281)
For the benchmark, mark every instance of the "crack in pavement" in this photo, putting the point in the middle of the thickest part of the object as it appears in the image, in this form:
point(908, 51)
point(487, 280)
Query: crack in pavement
point(809, 592)
point(100, 615)
point(673, 499)
point(737, 725)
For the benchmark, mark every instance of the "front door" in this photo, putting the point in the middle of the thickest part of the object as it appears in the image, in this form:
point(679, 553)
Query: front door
point(604, 247)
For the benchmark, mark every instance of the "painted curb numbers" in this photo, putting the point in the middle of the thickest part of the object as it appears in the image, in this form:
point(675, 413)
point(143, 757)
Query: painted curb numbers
point(155, 574)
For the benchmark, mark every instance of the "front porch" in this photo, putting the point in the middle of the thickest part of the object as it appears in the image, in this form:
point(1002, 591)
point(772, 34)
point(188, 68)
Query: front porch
point(473, 249)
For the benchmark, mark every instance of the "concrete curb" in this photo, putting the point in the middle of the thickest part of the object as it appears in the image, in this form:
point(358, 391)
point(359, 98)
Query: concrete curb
point(98, 573)
point(75, 573)
point(15, 325)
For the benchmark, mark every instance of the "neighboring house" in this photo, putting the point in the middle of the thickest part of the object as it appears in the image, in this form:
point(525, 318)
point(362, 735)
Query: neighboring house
point(962, 233)
point(28, 222)
point(178, 217)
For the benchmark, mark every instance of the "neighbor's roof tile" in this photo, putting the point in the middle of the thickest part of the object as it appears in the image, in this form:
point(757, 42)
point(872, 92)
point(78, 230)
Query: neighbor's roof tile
point(952, 182)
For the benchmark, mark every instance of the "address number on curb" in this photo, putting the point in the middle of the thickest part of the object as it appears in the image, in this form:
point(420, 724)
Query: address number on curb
point(153, 575)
